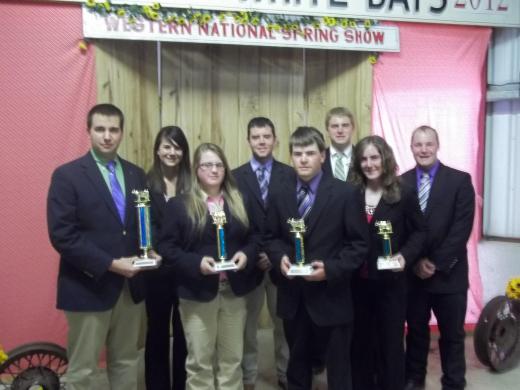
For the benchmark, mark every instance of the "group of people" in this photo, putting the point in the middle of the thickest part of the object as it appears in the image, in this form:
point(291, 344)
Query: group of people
point(347, 316)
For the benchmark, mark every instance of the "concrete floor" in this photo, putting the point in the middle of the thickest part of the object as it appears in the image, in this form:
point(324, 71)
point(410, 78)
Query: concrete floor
point(478, 376)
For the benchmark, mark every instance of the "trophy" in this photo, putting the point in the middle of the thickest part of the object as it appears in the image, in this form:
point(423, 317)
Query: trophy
point(386, 262)
point(300, 268)
point(222, 264)
point(142, 204)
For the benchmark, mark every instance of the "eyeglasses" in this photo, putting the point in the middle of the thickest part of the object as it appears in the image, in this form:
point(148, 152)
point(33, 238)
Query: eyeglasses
point(207, 166)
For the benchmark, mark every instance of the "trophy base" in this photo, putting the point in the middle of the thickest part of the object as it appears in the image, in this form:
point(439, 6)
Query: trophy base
point(300, 270)
point(221, 266)
point(145, 263)
point(387, 263)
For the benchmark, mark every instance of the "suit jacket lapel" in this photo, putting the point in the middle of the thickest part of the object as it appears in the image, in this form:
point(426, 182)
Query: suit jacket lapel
point(131, 183)
point(95, 176)
point(320, 202)
point(252, 182)
point(435, 190)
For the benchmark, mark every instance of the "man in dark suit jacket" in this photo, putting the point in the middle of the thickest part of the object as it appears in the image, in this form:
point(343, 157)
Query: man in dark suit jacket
point(439, 280)
point(92, 224)
point(316, 308)
point(340, 125)
point(256, 179)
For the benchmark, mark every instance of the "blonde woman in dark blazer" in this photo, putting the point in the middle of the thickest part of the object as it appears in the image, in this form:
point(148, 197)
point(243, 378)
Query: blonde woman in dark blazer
point(212, 305)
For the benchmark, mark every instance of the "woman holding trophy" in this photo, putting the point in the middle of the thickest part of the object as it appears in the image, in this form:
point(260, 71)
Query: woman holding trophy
point(168, 177)
point(396, 233)
point(208, 239)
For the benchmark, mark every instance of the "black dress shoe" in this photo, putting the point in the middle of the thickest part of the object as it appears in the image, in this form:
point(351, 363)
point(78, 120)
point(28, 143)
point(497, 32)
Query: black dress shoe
point(413, 385)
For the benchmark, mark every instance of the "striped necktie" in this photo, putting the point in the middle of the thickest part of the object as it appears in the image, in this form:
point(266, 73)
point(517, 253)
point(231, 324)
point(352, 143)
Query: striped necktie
point(339, 167)
point(263, 182)
point(304, 201)
point(117, 192)
point(424, 190)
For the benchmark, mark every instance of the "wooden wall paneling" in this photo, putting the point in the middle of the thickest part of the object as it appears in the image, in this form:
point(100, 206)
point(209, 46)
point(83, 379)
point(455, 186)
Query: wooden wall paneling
point(225, 101)
point(127, 77)
point(249, 92)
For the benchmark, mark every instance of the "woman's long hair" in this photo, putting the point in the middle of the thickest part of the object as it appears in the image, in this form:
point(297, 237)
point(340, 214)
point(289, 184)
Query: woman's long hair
point(196, 207)
point(155, 176)
point(389, 179)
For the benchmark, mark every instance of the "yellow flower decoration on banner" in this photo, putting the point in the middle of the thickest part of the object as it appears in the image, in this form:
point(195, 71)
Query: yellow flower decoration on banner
point(329, 21)
point(513, 288)
point(157, 12)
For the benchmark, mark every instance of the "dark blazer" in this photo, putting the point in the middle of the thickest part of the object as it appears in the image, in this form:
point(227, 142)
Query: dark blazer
point(85, 228)
point(327, 168)
point(409, 231)
point(248, 185)
point(183, 250)
point(449, 215)
point(336, 234)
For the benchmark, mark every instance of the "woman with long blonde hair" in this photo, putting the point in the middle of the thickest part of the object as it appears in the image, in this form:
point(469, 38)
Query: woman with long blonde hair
point(211, 303)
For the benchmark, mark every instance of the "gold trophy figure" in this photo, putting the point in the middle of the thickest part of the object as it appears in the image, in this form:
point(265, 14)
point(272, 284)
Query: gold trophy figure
point(300, 268)
point(386, 262)
point(142, 204)
point(222, 264)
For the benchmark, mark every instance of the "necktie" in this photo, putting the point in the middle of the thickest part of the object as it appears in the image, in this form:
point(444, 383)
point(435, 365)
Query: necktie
point(339, 168)
point(304, 201)
point(117, 192)
point(263, 182)
point(424, 190)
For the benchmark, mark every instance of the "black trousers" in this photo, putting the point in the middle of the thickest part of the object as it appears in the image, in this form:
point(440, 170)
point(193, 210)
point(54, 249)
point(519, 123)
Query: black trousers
point(378, 359)
point(450, 311)
point(302, 334)
point(162, 307)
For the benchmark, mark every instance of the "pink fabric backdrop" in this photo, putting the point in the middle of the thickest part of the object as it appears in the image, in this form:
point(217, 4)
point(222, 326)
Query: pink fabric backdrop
point(47, 87)
point(438, 79)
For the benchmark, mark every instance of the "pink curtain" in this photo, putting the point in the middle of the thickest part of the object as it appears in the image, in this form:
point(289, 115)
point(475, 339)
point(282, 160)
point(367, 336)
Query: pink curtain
point(438, 79)
point(47, 86)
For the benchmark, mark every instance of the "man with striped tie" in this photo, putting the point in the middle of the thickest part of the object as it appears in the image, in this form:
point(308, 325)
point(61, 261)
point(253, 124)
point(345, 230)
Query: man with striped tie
point(316, 309)
point(439, 280)
point(256, 179)
point(340, 125)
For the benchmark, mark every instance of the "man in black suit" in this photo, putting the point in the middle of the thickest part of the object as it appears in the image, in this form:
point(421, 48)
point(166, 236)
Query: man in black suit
point(316, 309)
point(340, 125)
point(439, 280)
point(256, 179)
point(92, 224)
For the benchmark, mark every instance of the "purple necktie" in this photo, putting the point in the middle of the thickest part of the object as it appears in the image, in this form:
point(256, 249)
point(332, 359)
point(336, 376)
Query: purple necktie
point(304, 201)
point(117, 192)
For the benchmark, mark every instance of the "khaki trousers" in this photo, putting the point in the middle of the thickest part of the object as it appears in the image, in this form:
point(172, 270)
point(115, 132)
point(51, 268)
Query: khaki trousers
point(89, 332)
point(214, 336)
point(255, 301)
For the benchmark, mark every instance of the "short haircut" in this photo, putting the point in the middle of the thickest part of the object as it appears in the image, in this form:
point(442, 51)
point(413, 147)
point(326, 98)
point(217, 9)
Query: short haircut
point(105, 109)
point(339, 111)
point(260, 121)
point(305, 136)
point(424, 129)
